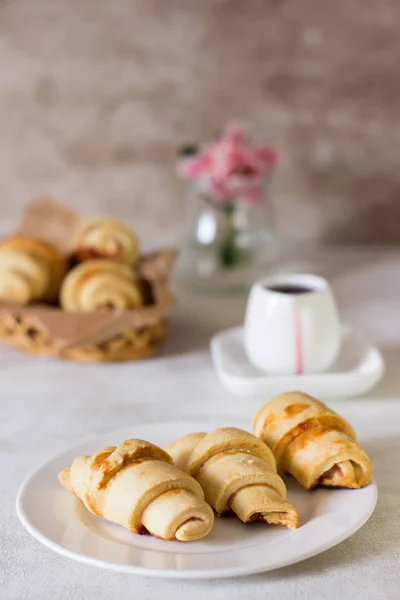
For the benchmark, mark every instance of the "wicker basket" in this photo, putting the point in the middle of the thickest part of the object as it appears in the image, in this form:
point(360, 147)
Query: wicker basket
point(99, 336)
point(130, 345)
point(137, 334)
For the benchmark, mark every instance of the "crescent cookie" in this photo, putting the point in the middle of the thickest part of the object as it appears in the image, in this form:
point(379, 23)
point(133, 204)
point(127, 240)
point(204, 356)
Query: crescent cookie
point(312, 442)
point(30, 271)
point(99, 284)
point(137, 486)
point(237, 473)
point(107, 238)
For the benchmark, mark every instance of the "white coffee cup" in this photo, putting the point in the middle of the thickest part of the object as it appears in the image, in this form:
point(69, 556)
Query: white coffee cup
point(292, 325)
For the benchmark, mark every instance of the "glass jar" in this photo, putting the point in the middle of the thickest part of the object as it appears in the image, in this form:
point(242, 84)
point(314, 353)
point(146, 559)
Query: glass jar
point(225, 246)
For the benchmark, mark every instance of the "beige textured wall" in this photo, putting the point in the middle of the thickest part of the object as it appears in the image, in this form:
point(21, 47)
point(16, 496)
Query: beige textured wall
point(95, 96)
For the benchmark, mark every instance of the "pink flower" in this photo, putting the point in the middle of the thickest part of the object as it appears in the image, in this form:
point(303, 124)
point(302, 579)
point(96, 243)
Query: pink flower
point(231, 167)
point(195, 167)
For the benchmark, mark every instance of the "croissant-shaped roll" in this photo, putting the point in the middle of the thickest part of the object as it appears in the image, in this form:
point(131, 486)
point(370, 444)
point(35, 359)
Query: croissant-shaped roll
point(99, 284)
point(30, 271)
point(107, 238)
point(312, 443)
point(237, 473)
point(137, 486)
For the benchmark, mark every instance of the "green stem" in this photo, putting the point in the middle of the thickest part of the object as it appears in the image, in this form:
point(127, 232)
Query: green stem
point(230, 254)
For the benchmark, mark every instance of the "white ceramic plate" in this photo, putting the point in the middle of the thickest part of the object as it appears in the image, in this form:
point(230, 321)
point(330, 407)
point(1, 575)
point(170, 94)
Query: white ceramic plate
point(358, 369)
point(59, 520)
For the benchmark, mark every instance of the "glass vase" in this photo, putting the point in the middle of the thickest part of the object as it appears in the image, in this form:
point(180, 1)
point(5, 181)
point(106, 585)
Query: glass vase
point(226, 246)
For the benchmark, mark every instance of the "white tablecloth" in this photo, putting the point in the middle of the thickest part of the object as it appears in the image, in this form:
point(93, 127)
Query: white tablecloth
point(48, 405)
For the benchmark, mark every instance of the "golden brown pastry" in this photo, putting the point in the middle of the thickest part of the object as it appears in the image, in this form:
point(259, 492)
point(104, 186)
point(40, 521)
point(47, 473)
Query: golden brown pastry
point(312, 442)
point(97, 284)
point(137, 486)
point(107, 238)
point(237, 473)
point(30, 271)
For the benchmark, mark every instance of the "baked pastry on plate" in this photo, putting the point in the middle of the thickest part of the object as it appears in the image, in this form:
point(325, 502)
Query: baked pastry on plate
point(237, 473)
point(312, 442)
point(137, 486)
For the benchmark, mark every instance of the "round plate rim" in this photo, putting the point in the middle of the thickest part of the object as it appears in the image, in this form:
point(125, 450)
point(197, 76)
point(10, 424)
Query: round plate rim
point(168, 573)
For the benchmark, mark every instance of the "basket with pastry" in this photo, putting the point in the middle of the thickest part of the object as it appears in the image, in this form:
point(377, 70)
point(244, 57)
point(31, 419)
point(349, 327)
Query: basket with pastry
point(81, 289)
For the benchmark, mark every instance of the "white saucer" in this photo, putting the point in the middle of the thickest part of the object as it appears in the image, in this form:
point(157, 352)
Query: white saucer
point(59, 520)
point(357, 370)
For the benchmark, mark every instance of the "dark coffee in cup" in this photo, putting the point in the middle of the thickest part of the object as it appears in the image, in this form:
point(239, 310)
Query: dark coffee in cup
point(290, 289)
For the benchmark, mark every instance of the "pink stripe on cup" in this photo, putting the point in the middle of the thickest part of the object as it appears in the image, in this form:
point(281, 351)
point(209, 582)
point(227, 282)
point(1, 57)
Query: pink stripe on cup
point(298, 342)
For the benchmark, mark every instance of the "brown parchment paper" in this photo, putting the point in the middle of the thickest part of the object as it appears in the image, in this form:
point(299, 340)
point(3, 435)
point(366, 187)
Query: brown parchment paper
point(53, 222)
